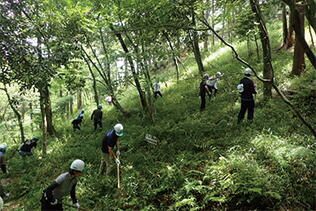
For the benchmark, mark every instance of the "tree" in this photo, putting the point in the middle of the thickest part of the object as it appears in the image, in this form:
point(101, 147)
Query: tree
point(266, 49)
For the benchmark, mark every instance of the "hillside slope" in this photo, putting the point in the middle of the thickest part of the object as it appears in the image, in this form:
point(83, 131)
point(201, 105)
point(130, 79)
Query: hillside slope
point(204, 160)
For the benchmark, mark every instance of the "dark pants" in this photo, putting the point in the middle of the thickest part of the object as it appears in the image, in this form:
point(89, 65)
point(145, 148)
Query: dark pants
point(203, 103)
point(3, 165)
point(46, 206)
point(96, 123)
point(76, 126)
point(246, 105)
point(213, 91)
point(157, 93)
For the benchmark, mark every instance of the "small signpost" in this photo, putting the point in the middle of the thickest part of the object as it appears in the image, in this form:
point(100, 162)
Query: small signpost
point(151, 139)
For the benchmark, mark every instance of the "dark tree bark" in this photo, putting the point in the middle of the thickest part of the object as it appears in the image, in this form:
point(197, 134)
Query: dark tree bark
point(265, 42)
point(31, 116)
point(300, 37)
point(311, 13)
point(298, 58)
point(133, 70)
point(79, 99)
point(105, 73)
point(16, 112)
point(290, 34)
point(94, 82)
point(195, 44)
point(284, 24)
point(207, 13)
point(45, 97)
point(213, 21)
point(43, 125)
point(71, 105)
point(257, 47)
point(174, 57)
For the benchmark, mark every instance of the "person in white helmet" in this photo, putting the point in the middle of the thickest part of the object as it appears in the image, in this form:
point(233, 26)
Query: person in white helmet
point(110, 140)
point(212, 83)
point(203, 91)
point(1, 203)
point(63, 185)
point(3, 165)
point(247, 89)
point(156, 87)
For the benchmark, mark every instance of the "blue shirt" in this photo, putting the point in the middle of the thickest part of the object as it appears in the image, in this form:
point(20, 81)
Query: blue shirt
point(109, 140)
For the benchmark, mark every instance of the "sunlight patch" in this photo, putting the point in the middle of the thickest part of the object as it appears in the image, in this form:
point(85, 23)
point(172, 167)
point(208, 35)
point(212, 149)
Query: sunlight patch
point(217, 54)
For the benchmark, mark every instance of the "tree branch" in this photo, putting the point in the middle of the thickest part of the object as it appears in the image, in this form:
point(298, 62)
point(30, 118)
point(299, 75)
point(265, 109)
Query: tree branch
point(283, 97)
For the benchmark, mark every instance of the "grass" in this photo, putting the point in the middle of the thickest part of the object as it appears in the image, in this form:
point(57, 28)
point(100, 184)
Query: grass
point(204, 161)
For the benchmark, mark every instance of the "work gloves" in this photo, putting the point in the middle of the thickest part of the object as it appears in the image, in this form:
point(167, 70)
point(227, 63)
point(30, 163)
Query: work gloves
point(54, 202)
point(77, 205)
point(118, 153)
point(117, 161)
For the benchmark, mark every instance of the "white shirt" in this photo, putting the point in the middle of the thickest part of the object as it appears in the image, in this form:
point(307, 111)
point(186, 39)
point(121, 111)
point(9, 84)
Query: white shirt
point(156, 87)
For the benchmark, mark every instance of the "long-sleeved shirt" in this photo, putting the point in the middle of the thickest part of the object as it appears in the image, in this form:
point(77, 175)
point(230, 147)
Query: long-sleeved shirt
point(249, 89)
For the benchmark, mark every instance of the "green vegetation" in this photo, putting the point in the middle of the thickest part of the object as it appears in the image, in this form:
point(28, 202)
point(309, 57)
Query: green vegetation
point(204, 161)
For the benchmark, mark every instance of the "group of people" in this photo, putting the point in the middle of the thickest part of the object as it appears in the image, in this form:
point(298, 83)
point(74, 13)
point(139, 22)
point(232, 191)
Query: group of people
point(96, 116)
point(66, 182)
point(25, 149)
point(246, 88)
point(208, 86)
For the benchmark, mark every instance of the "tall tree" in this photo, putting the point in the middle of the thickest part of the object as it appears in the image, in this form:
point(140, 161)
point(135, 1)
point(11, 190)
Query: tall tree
point(266, 49)
point(298, 58)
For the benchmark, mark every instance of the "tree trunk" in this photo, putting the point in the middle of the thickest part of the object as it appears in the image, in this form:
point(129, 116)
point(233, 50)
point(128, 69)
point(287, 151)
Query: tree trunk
point(207, 16)
point(284, 24)
point(257, 48)
point(94, 83)
point(213, 22)
point(296, 9)
point(79, 99)
point(195, 44)
point(71, 105)
point(16, 112)
point(248, 47)
point(265, 42)
point(311, 13)
point(105, 73)
point(298, 58)
point(290, 34)
point(134, 74)
point(49, 114)
point(280, 93)
point(31, 116)
point(43, 125)
point(174, 57)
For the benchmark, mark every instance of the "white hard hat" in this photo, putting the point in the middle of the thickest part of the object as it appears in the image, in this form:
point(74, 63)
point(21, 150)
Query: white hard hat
point(206, 75)
point(77, 165)
point(1, 203)
point(3, 147)
point(248, 71)
point(218, 74)
point(118, 129)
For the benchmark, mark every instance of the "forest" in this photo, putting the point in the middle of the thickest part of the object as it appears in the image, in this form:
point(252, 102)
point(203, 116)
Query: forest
point(157, 105)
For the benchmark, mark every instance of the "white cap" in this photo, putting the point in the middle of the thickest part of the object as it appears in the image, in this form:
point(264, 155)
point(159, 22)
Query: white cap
point(248, 71)
point(77, 165)
point(118, 129)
